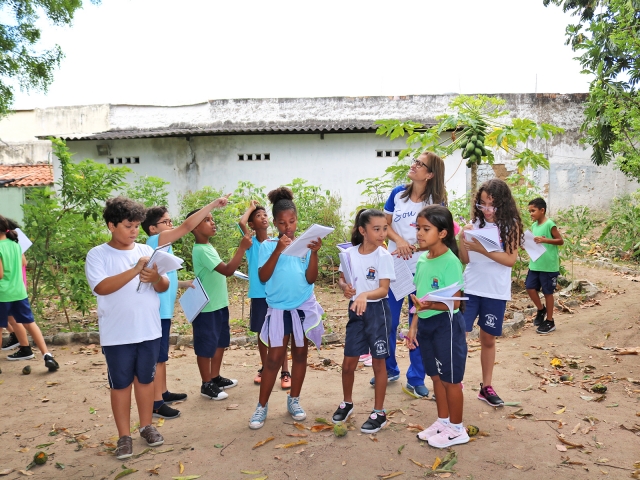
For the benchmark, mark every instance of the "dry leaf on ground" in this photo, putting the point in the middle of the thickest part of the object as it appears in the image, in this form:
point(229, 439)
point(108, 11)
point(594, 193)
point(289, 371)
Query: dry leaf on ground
point(262, 442)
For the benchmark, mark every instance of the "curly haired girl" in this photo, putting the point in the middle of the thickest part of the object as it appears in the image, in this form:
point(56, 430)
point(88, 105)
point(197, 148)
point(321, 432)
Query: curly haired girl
point(487, 278)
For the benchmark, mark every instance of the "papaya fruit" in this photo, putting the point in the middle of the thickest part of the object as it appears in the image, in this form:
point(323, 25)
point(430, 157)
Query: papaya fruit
point(339, 429)
point(473, 139)
point(478, 161)
point(473, 158)
point(472, 430)
point(478, 152)
point(40, 458)
point(479, 144)
point(481, 138)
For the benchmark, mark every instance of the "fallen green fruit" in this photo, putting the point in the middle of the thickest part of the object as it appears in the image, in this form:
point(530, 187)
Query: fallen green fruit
point(599, 388)
point(26, 370)
point(340, 429)
point(40, 458)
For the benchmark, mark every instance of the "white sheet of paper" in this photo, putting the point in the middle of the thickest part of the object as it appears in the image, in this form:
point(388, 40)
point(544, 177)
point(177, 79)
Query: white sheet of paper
point(298, 248)
point(488, 237)
point(165, 261)
point(345, 264)
point(403, 284)
point(535, 250)
point(23, 240)
point(443, 295)
point(240, 275)
point(193, 300)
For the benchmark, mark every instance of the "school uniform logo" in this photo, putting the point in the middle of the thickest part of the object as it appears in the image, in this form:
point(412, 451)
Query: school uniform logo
point(434, 284)
point(371, 273)
point(381, 347)
point(490, 320)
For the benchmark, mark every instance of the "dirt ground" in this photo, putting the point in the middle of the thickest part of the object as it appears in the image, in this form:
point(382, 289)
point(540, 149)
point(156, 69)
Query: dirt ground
point(70, 411)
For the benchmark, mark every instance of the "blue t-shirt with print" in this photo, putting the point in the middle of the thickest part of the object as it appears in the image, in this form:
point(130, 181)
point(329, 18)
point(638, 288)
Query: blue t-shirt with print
point(167, 298)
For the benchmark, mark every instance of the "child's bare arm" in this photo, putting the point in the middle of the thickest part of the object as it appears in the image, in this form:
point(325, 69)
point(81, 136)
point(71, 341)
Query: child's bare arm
point(170, 236)
point(1, 269)
point(116, 282)
point(227, 269)
point(312, 269)
point(244, 219)
point(556, 240)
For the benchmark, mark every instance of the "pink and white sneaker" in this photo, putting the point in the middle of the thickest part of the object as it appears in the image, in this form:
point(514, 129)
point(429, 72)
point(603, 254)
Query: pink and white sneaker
point(365, 358)
point(433, 430)
point(368, 362)
point(448, 437)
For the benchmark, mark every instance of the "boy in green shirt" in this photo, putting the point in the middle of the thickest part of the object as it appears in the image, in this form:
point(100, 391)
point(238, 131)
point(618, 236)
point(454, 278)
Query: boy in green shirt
point(211, 334)
point(543, 272)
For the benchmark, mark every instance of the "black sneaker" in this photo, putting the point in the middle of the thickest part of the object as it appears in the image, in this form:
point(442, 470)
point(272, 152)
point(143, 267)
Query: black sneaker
point(540, 317)
point(50, 362)
point(547, 327)
point(11, 342)
point(224, 383)
point(174, 397)
point(343, 412)
point(211, 391)
point(25, 353)
point(374, 423)
point(489, 395)
point(165, 411)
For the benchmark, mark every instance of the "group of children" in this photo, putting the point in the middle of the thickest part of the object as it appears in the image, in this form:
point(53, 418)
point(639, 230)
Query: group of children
point(136, 303)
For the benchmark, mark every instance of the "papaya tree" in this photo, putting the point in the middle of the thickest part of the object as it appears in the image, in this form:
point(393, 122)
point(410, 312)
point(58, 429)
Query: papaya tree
point(478, 126)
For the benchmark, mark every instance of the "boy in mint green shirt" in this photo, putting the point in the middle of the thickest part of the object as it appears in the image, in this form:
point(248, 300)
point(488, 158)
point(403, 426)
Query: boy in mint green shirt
point(543, 272)
point(211, 334)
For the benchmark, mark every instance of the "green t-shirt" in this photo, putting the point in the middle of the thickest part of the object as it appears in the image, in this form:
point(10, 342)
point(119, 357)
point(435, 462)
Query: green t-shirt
point(548, 261)
point(435, 273)
point(205, 260)
point(12, 286)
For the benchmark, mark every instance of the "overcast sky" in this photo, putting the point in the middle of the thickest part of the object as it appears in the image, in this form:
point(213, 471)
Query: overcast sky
point(167, 52)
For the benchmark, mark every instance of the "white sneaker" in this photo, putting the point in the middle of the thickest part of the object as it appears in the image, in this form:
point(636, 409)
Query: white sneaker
point(368, 362)
point(448, 437)
point(433, 430)
point(364, 358)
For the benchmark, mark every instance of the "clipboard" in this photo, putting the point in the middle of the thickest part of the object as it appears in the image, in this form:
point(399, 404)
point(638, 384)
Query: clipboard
point(193, 300)
point(160, 248)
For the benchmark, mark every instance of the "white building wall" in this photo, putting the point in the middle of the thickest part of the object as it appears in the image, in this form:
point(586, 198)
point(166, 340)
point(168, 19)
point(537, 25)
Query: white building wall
point(336, 162)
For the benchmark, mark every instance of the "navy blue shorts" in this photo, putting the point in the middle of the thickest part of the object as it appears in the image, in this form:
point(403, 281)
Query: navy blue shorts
point(257, 314)
point(443, 346)
point(210, 332)
point(124, 362)
point(163, 356)
point(20, 310)
point(547, 281)
point(488, 311)
point(288, 321)
point(370, 331)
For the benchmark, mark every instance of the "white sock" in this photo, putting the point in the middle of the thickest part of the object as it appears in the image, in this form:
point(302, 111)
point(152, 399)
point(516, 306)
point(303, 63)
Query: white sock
point(458, 426)
point(444, 421)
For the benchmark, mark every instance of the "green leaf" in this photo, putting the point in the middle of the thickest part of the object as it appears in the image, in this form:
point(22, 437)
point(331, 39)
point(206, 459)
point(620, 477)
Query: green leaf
point(124, 473)
point(219, 445)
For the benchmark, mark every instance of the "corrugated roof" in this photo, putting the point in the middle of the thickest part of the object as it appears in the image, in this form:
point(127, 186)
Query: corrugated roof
point(26, 175)
point(228, 129)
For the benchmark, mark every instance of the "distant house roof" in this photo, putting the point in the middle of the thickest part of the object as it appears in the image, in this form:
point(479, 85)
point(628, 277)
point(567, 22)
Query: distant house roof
point(26, 175)
point(229, 129)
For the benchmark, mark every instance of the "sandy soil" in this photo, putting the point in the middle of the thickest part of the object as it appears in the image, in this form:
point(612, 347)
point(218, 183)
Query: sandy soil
point(74, 413)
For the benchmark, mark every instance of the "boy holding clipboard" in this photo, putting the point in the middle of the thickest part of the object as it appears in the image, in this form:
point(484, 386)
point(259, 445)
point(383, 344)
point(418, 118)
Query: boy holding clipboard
point(211, 334)
point(158, 225)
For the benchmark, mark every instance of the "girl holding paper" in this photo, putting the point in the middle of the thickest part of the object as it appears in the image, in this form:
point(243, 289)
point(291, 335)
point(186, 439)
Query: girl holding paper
point(426, 187)
point(438, 332)
point(364, 280)
point(293, 310)
point(487, 278)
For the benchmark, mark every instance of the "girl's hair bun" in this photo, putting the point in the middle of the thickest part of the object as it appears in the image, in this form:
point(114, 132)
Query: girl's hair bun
point(280, 193)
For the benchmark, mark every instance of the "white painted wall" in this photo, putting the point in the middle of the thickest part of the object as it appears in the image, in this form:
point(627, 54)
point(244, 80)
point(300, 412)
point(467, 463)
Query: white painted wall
point(336, 162)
